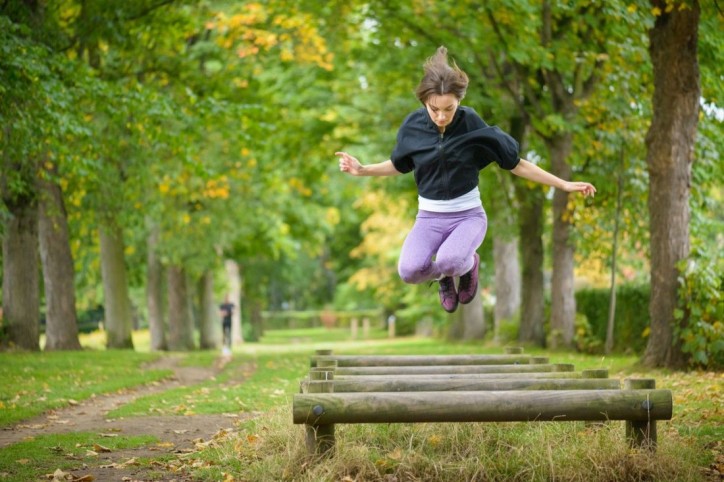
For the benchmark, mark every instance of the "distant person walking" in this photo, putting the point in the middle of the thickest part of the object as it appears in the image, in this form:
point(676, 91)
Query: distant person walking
point(445, 145)
point(226, 310)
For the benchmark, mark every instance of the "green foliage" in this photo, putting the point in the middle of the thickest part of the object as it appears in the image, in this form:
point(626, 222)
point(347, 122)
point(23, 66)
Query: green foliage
point(631, 317)
point(700, 320)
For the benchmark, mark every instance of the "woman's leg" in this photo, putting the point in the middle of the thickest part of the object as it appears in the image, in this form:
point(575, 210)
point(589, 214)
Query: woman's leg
point(455, 256)
point(451, 237)
point(422, 242)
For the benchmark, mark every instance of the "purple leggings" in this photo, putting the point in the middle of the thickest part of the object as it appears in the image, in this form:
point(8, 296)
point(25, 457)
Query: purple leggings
point(451, 238)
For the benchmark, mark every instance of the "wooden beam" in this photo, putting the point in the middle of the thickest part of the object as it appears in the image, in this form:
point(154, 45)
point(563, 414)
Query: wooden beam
point(482, 406)
point(469, 384)
point(421, 360)
point(450, 369)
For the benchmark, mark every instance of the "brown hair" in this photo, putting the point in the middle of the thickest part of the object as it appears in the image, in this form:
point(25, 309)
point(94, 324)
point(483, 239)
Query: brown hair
point(441, 78)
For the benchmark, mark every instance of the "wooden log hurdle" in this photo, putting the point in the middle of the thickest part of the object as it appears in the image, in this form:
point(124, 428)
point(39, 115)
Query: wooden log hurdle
point(469, 388)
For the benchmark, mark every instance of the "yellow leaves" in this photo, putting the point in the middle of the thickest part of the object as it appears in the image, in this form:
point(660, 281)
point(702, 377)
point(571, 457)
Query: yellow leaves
point(294, 34)
point(299, 186)
point(631, 8)
point(217, 188)
point(434, 440)
point(332, 216)
point(656, 11)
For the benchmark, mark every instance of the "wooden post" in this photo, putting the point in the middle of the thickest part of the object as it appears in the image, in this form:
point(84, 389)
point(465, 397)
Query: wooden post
point(391, 327)
point(641, 433)
point(318, 353)
point(319, 437)
point(354, 327)
point(365, 328)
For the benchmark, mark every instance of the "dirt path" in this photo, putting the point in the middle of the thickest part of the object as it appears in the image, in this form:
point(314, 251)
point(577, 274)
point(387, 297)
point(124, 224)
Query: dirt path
point(178, 434)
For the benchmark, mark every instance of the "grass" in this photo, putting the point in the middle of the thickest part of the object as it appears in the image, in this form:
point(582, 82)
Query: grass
point(263, 377)
point(34, 383)
point(33, 459)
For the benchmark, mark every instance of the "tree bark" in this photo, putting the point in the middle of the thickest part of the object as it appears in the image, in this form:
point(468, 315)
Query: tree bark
point(670, 142)
point(61, 325)
point(118, 316)
point(507, 280)
point(21, 292)
point(154, 293)
point(180, 322)
point(563, 302)
point(468, 322)
point(209, 323)
point(532, 255)
point(235, 283)
point(473, 319)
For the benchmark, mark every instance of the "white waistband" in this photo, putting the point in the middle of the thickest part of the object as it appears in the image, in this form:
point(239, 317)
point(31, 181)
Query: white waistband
point(466, 201)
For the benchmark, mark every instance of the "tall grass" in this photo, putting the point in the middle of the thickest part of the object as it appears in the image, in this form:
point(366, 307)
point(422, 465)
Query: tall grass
point(268, 449)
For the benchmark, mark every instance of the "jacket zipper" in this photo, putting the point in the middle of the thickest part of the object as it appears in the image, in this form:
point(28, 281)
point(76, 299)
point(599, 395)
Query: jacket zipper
point(443, 165)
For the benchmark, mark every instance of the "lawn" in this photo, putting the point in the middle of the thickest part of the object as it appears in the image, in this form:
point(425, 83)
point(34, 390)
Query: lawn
point(268, 447)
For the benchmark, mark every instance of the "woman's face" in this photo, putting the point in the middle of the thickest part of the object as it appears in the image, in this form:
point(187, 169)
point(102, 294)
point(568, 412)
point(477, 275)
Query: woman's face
point(441, 109)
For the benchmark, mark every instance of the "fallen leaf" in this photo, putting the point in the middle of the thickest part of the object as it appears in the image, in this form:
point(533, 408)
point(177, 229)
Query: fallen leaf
point(100, 448)
point(23, 461)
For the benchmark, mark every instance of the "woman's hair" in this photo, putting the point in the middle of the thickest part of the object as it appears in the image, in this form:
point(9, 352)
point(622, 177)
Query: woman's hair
point(441, 78)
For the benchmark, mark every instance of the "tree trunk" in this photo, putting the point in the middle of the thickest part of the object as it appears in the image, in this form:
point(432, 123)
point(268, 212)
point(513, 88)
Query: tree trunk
point(473, 319)
point(235, 282)
point(468, 322)
point(507, 280)
point(61, 325)
point(118, 316)
point(670, 142)
point(614, 258)
point(154, 293)
point(180, 322)
point(209, 323)
point(21, 292)
point(256, 321)
point(563, 302)
point(533, 289)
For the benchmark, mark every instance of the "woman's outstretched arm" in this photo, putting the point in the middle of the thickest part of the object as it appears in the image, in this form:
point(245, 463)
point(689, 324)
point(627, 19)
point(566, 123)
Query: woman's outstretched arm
point(534, 173)
point(352, 166)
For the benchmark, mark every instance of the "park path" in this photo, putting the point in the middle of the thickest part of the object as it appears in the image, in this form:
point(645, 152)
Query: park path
point(178, 434)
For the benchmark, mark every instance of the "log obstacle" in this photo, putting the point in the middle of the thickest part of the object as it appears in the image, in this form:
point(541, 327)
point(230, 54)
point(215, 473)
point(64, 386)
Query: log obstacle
point(483, 406)
point(469, 388)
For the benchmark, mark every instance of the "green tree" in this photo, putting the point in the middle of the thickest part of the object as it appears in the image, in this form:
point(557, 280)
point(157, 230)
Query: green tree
point(670, 141)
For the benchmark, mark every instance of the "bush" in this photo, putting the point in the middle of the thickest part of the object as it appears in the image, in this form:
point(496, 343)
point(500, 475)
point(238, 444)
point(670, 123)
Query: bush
point(702, 311)
point(631, 317)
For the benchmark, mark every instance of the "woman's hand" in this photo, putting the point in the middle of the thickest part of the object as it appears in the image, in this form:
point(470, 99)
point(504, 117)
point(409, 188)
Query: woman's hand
point(585, 188)
point(349, 164)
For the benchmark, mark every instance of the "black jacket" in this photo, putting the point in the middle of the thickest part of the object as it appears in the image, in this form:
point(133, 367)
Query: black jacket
point(446, 166)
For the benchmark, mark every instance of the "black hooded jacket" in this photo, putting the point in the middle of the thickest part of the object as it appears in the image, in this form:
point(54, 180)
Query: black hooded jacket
point(447, 165)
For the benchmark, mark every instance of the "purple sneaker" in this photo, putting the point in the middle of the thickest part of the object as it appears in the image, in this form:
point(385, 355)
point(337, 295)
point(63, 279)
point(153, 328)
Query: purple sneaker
point(448, 295)
point(468, 286)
